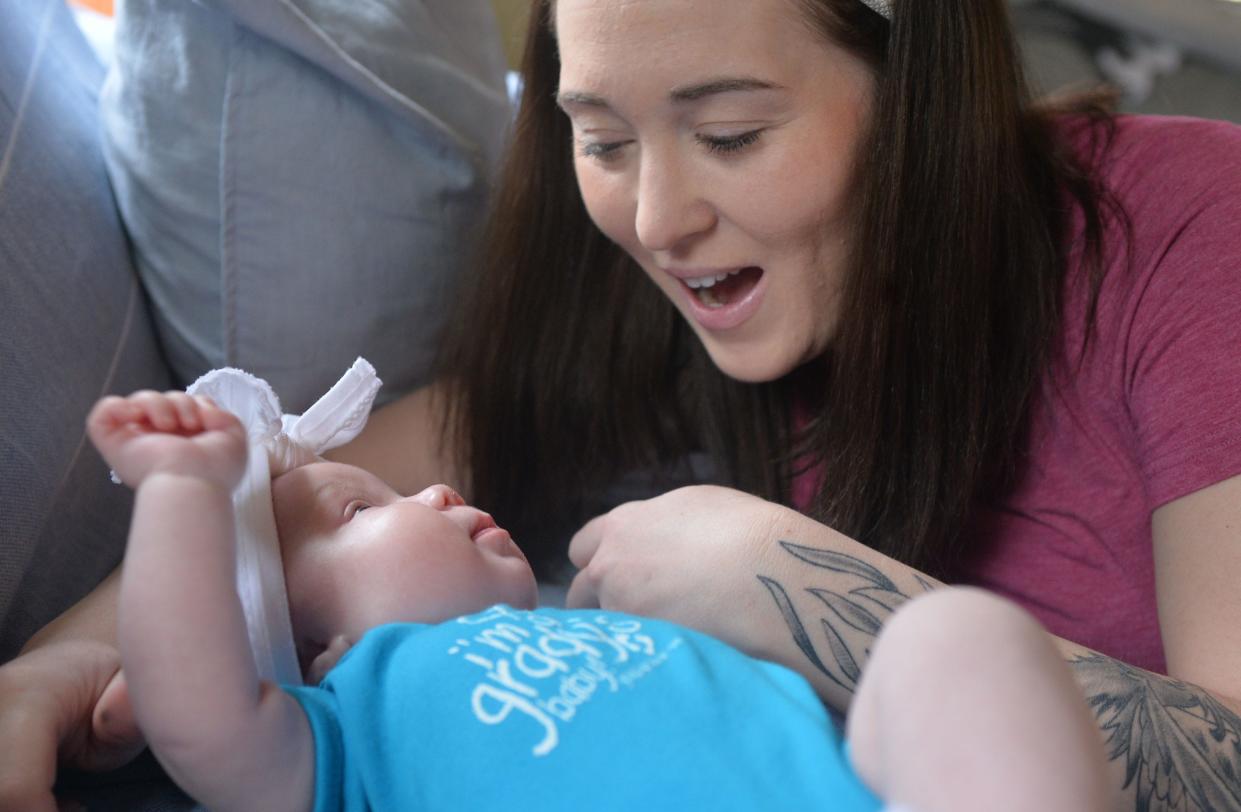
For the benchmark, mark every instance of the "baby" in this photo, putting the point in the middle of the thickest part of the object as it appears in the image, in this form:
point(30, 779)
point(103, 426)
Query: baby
point(437, 684)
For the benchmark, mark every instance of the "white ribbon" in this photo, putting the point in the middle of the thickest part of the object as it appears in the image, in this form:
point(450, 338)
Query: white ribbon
point(279, 443)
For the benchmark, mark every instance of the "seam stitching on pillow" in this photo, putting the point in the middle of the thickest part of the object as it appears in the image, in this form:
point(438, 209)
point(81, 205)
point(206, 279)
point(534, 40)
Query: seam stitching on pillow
point(369, 75)
point(108, 379)
point(36, 62)
point(228, 220)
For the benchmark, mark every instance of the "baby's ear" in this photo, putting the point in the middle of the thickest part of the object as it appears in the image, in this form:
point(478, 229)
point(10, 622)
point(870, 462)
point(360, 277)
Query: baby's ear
point(327, 659)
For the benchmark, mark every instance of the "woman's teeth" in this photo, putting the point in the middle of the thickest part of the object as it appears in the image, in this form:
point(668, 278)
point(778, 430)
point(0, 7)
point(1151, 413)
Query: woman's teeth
point(702, 288)
point(709, 281)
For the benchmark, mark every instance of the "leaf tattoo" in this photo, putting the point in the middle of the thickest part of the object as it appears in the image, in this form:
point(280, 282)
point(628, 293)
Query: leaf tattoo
point(839, 562)
point(853, 614)
point(852, 619)
point(844, 657)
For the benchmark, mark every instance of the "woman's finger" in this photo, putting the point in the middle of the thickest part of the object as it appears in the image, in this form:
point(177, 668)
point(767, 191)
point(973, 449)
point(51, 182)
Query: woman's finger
point(46, 698)
point(114, 731)
point(28, 768)
point(582, 593)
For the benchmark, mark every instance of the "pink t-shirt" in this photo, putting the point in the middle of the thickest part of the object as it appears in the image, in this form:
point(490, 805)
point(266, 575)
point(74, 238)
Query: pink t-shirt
point(1152, 413)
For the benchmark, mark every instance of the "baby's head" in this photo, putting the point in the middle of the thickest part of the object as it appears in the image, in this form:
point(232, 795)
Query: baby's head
point(358, 555)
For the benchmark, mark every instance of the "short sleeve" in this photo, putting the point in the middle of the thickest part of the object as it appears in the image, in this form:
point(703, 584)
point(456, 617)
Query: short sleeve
point(1183, 347)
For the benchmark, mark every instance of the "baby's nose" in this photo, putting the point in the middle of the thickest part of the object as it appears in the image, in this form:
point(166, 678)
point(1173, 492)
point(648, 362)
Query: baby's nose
point(439, 497)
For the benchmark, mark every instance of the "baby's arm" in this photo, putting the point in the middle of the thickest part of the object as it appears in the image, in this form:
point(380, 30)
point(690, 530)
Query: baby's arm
point(967, 706)
point(229, 740)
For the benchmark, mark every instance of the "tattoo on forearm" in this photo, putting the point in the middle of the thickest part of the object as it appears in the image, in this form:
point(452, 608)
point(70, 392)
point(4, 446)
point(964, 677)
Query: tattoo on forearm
point(1181, 746)
point(852, 619)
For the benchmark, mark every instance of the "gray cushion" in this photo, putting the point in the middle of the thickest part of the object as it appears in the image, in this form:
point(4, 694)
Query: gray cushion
point(302, 179)
point(73, 322)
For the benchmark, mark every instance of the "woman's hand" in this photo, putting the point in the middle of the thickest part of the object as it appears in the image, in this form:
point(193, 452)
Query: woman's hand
point(761, 577)
point(65, 702)
point(690, 556)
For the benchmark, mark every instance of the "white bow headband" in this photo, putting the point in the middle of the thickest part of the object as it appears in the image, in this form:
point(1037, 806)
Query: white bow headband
point(279, 443)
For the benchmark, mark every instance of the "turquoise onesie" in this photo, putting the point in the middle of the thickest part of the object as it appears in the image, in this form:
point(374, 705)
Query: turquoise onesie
point(557, 709)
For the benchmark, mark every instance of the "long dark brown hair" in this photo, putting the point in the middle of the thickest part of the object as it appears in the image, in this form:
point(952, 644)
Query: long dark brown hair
point(567, 369)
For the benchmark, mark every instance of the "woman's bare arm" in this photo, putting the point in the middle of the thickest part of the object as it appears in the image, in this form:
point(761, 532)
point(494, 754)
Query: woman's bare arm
point(815, 600)
point(91, 618)
point(1171, 741)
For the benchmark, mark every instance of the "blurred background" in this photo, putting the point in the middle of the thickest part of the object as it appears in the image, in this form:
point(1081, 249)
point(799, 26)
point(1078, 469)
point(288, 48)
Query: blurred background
point(1171, 57)
point(1166, 56)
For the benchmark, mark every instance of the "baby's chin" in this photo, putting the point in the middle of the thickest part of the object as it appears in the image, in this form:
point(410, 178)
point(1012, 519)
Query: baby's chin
point(532, 594)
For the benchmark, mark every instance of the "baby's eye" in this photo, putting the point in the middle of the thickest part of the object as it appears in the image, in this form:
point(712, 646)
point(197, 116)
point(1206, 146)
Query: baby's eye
point(355, 507)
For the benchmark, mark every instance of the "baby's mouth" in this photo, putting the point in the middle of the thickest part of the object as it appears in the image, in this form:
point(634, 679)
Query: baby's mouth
point(497, 540)
point(725, 289)
point(481, 524)
point(486, 534)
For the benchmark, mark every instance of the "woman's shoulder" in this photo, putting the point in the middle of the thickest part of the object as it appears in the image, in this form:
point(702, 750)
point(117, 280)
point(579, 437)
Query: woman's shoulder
point(1170, 253)
point(1140, 156)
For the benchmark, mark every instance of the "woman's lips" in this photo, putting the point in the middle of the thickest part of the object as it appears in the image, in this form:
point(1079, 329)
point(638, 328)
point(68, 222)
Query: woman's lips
point(741, 295)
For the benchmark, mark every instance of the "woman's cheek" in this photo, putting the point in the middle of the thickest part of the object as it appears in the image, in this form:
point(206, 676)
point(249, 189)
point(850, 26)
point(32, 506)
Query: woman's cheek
point(606, 203)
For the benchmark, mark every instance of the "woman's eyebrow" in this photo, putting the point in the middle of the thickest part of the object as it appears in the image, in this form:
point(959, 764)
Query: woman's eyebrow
point(577, 98)
point(726, 84)
point(681, 95)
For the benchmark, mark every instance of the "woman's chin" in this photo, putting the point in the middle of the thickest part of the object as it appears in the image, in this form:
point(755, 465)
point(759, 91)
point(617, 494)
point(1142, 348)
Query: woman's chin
point(749, 366)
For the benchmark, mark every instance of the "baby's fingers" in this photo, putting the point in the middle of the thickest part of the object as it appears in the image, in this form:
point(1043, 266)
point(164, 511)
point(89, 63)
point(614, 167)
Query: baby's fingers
point(109, 414)
point(158, 409)
point(216, 419)
point(186, 410)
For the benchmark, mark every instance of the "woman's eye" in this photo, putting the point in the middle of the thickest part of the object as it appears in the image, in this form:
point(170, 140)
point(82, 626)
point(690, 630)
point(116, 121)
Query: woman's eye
point(602, 151)
point(729, 144)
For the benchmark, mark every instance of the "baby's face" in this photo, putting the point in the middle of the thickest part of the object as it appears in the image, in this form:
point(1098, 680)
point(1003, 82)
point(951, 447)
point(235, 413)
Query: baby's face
point(358, 555)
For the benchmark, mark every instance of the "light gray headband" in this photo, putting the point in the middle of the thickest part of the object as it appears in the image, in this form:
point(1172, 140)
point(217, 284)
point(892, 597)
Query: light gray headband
point(882, 7)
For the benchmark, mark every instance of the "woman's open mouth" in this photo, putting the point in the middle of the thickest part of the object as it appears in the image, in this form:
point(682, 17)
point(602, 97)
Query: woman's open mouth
point(724, 289)
point(724, 299)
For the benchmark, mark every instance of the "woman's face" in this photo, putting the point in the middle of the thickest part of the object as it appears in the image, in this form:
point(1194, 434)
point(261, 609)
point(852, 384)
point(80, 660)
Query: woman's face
point(714, 142)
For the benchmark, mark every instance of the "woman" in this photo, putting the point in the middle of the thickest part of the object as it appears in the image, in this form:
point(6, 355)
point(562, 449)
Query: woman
point(832, 246)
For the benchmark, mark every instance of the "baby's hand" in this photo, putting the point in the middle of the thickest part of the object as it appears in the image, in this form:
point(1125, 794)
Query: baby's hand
point(327, 659)
point(149, 432)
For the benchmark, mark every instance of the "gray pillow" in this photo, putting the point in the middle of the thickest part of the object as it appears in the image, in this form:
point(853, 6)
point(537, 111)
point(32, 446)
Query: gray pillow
point(302, 179)
point(73, 322)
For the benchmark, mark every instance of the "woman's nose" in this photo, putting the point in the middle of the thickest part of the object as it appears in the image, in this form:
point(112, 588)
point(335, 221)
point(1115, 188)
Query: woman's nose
point(671, 212)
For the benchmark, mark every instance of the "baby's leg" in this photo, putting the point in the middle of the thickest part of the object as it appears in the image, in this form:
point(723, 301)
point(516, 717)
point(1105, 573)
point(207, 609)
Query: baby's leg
point(967, 705)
